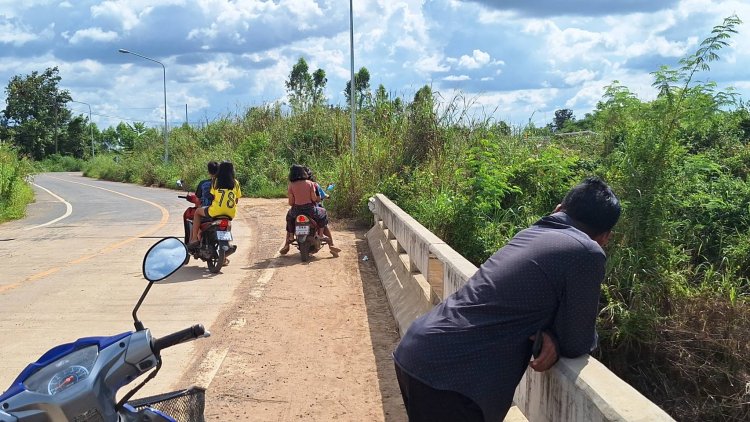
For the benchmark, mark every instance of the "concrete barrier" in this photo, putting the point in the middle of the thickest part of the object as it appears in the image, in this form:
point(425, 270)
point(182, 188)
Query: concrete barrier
point(418, 270)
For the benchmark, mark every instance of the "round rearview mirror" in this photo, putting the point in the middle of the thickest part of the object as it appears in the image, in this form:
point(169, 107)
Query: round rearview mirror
point(163, 259)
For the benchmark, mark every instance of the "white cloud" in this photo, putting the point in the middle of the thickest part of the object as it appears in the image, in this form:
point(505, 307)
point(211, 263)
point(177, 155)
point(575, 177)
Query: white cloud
point(93, 34)
point(428, 64)
point(218, 74)
point(588, 95)
point(477, 59)
point(457, 78)
point(575, 78)
point(513, 106)
point(306, 12)
point(82, 69)
point(12, 34)
point(130, 12)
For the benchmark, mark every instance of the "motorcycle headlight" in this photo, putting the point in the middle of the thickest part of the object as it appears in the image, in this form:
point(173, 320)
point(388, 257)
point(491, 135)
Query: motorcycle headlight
point(64, 372)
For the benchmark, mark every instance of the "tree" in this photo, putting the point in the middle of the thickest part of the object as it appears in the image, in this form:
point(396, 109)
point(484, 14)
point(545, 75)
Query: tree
point(319, 85)
point(361, 87)
point(305, 90)
point(424, 133)
point(562, 117)
point(36, 117)
point(299, 85)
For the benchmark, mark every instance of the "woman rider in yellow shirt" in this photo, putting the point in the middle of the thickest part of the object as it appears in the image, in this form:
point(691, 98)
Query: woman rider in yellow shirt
point(226, 193)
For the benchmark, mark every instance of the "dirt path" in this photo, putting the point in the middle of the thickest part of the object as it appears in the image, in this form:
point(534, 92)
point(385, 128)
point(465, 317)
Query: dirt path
point(301, 341)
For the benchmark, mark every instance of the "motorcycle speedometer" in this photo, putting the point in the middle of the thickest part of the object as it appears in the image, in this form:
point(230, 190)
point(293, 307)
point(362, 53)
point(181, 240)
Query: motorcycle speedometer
point(64, 372)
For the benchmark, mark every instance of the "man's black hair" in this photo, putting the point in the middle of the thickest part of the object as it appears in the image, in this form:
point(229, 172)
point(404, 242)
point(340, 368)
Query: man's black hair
point(213, 168)
point(593, 204)
point(297, 172)
point(225, 176)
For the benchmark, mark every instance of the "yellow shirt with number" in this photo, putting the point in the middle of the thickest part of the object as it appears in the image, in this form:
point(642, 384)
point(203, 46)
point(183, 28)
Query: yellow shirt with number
point(225, 201)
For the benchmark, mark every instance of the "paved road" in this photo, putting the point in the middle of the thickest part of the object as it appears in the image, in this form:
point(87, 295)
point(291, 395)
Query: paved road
point(291, 340)
point(72, 269)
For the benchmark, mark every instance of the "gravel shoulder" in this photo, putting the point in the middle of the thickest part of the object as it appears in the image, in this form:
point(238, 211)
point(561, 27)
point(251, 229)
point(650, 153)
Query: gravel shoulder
point(300, 341)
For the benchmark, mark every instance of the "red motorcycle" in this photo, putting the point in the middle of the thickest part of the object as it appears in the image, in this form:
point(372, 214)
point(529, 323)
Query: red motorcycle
point(215, 236)
point(308, 237)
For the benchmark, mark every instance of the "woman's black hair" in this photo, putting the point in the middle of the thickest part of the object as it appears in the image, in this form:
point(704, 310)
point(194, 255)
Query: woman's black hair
point(593, 204)
point(297, 172)
point(213, 168)
point(225, 176)
point(310, 174)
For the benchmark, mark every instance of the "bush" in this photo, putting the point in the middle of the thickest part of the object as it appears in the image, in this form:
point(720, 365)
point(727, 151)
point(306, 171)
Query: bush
point(58, 163)
point(15, 192)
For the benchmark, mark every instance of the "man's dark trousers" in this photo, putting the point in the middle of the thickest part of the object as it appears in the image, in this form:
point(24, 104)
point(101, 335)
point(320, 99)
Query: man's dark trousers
point(426, 404)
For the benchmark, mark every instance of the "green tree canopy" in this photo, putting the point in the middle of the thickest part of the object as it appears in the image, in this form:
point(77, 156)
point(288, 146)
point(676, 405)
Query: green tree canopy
point(305, 90)
point(362, 93)
point(35, 117)
point(562, 117)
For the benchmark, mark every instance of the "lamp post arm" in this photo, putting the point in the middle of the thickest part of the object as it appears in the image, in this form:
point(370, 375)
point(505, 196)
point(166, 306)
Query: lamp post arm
point(91, 127)
point(164, 68)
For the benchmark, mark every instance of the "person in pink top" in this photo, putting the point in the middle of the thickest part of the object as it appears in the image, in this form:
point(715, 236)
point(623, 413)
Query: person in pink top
point(303, 197)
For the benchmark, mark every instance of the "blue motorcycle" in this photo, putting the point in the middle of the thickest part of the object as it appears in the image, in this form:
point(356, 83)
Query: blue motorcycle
point(79, 381)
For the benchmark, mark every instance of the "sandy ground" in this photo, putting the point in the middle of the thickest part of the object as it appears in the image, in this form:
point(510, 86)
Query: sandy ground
point(301, 341)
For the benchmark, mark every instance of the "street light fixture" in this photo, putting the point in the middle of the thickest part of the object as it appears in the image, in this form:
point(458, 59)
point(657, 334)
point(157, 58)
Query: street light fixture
point(166, 147)
point(91, 125)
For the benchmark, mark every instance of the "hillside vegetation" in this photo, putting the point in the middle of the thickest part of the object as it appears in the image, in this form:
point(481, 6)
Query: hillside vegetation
point(675, 318)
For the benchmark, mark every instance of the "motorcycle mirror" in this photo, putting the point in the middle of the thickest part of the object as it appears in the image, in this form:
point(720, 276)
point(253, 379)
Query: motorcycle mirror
point(163, 259)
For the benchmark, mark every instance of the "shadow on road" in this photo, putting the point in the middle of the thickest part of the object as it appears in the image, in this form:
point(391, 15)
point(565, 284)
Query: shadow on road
point(383, 331)
point(189, 273)
point(287, 261)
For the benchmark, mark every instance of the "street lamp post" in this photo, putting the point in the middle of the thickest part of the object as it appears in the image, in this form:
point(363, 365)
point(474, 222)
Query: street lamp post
point(91, 126)
point(166, 147)
point(351, 85)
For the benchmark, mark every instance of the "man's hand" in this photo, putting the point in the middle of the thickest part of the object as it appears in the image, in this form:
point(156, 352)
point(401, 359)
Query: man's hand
point(547, 357)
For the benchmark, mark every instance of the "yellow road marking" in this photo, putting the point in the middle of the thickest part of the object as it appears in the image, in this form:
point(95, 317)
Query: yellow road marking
point(106, 249)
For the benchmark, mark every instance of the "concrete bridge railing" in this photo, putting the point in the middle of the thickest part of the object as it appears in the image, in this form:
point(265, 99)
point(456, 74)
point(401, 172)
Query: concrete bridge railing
point(418, 270)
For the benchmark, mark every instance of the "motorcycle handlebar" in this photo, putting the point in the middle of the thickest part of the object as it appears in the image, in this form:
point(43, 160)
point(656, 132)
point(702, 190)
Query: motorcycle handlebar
point(181, 336)
point(182, 196)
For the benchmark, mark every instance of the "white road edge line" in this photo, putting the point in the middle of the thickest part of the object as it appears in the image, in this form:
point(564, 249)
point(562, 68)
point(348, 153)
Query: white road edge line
point(68, 209)
point(265, 277)
point(210, 366)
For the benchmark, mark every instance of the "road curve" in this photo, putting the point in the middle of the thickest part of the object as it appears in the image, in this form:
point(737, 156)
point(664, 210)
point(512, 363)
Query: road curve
point(79, 276)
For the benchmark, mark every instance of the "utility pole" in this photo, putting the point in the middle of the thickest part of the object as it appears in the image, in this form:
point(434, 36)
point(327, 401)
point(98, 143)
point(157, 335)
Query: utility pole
point(56, 151)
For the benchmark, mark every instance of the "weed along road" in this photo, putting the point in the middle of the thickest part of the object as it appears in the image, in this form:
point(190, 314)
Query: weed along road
point(289, 340)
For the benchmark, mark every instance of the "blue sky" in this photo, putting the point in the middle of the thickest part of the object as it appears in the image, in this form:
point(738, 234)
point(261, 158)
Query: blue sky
point(515, 60)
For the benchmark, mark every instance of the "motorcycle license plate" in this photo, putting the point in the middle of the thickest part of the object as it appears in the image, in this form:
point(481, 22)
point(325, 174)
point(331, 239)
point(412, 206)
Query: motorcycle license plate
point(302, 230)
point(224, 235)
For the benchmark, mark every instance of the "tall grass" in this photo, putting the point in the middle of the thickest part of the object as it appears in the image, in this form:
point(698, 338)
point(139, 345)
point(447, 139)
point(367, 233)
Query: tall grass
point(15, 193)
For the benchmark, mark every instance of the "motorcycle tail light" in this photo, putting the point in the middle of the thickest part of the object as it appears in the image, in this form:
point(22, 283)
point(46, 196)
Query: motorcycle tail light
point(302, 219)
point(223, 224)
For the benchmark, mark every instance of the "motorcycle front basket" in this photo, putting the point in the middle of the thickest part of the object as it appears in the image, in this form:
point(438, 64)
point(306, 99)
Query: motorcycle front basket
point(183, 405)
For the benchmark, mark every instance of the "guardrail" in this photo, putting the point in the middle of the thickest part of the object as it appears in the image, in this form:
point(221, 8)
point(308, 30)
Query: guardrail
point(418, 270)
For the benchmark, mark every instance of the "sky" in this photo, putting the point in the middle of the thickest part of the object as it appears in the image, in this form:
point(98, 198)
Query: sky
point(512, 60)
